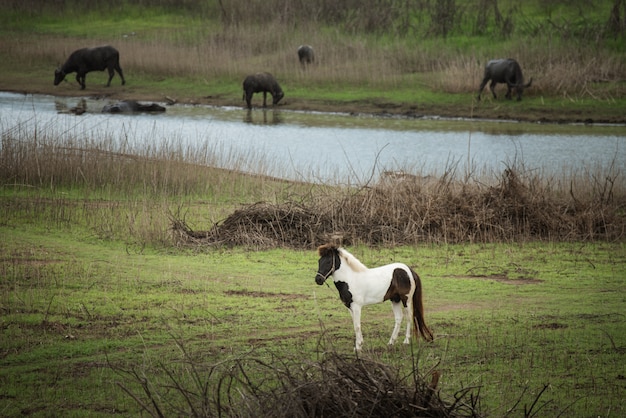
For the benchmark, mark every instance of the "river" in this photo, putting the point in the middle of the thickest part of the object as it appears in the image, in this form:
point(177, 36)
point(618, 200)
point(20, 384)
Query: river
point(328, 147)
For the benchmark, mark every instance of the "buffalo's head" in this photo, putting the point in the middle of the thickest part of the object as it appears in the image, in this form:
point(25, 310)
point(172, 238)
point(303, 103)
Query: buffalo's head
point(520, 88)
point(59, 75)
point(277, 96)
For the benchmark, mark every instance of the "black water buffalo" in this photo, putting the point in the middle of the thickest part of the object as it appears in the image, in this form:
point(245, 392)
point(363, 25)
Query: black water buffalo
point(86, 60)
point(505, 71)
point(306, 55)
point(131, 106)
point(261, 82)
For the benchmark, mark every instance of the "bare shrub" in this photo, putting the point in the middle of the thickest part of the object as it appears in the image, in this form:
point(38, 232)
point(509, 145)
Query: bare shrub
point(413, 209)
point(617, 19)
point(262, 225)
point(443, 16)
point(262, 385)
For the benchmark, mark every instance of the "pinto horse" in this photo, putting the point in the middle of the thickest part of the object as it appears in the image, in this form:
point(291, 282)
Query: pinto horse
point(359, 286)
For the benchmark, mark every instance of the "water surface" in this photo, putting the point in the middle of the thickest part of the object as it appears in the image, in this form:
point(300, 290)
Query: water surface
point(327, 146)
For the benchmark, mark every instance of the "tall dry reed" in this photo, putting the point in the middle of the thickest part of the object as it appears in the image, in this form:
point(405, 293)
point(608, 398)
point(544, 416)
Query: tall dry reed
point(229, 53)
point(123, 191)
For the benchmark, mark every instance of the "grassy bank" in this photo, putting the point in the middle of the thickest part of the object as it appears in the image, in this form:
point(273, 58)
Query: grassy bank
point(199, 57)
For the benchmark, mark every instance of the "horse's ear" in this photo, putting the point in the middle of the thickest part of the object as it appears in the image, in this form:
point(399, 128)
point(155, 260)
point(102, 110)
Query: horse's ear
point(326, 249)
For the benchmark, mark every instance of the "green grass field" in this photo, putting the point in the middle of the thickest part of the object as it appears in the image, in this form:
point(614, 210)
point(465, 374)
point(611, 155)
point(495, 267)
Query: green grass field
point(508, 318)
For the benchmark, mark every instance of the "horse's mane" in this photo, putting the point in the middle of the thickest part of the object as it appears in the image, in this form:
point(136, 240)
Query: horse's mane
point(351, 260)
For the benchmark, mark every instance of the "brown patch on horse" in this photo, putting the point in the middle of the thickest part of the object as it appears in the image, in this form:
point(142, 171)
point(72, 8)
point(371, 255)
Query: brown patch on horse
point(399, 288)
point(326, 250)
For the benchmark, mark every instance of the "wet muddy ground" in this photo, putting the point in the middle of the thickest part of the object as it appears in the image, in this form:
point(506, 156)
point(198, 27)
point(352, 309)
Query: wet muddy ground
point(533, 110)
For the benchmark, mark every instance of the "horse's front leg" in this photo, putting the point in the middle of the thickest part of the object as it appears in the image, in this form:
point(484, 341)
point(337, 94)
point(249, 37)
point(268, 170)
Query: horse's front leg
point(355, 311)
point(397, 313)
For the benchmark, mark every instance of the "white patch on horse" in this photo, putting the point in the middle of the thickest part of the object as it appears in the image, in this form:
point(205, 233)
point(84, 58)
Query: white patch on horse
point(368, 286)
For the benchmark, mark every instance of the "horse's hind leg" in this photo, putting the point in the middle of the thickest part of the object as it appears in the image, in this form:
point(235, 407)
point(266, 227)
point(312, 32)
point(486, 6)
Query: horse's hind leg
point(397, 313)
point(409, 321)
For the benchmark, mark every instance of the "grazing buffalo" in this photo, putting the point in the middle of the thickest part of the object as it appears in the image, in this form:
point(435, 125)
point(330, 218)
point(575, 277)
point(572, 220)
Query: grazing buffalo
point(306, 55)
point(505, 71)
point(131, 106)
point(86, 60)
point(261, 82)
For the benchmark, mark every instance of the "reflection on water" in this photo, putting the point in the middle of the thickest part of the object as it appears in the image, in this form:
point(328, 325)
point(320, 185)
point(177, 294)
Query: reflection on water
point(322, 146)
point(62, 106)
point(267, 117)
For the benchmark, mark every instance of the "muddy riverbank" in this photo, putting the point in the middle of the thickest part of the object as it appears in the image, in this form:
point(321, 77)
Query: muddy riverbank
point(534, 110)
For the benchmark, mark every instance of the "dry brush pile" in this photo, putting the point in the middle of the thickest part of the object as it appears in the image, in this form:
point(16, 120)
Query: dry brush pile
point(334, 386)
point(409, 209)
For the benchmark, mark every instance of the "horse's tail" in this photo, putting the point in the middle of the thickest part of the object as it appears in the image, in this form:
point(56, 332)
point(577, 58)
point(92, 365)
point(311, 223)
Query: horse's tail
point(418, 310)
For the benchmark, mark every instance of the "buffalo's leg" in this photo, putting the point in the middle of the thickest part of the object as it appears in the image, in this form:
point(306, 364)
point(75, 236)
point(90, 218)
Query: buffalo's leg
point(81, 80)
point(121, 73)
point(492, 87)
point(482, 86)
point(508, 91)
point(264, 99)
point(111, 74)
point(509, 83)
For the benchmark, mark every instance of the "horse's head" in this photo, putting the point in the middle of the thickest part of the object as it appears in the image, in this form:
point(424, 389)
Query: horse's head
point(328, 263)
